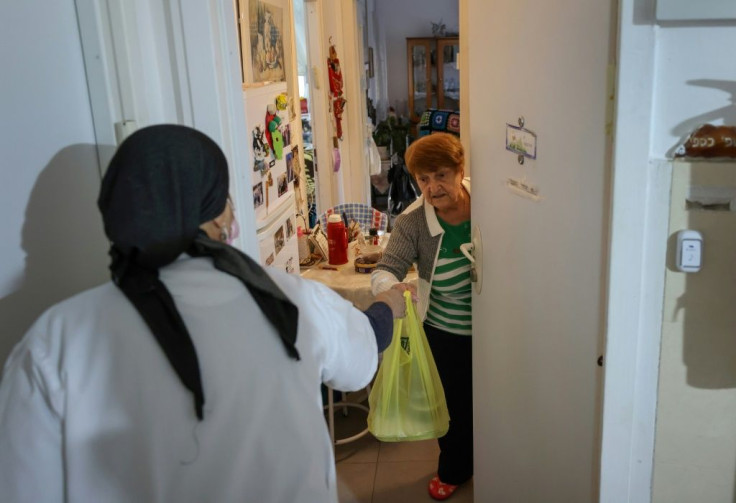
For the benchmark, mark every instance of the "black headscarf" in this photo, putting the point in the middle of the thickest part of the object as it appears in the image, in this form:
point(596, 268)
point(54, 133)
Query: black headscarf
point(162, 183)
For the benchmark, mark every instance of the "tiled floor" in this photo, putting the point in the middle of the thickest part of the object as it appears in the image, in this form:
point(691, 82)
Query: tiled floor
point(369, 471)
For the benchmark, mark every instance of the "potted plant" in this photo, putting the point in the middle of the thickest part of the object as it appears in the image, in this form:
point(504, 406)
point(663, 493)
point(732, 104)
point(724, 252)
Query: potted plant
point(391, 135)
point(382, 137)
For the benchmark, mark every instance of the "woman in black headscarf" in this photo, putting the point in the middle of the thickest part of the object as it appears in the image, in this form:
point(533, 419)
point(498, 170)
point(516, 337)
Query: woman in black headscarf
point(96, 401)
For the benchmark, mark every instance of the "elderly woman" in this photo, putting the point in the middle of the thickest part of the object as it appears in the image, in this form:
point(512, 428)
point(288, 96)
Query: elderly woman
point(195, 374)
point(429, 233)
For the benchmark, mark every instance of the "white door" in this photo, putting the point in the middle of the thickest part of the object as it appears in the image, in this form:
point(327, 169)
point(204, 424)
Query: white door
point(539, 319)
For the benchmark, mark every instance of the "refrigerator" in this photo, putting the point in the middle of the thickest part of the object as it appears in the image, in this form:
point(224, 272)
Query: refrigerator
point(272, 175)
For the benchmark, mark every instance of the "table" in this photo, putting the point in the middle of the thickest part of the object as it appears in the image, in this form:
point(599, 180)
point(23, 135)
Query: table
point(343, 279)
point(351, 285)
point(355, 287)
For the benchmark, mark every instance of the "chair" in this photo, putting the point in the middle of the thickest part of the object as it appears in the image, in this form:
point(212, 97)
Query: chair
point(344, 404)
point(366, 216)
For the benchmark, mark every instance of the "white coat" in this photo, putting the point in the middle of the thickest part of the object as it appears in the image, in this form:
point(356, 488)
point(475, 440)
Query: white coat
point(91, 410)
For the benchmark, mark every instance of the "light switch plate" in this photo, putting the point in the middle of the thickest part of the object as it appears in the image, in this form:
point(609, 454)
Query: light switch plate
point(689, 251)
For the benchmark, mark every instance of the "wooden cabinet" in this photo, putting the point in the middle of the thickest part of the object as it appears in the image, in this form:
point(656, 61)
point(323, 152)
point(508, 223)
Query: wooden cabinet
point(434, 79)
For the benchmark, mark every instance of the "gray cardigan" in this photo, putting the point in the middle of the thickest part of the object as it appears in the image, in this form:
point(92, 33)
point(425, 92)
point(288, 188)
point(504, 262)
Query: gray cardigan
point(415, 238)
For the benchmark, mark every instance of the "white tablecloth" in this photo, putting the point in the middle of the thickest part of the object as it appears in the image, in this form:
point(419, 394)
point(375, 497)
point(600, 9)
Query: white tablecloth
point(351, 285)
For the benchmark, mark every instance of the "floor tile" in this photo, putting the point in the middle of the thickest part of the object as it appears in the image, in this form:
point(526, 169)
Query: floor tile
point(362, 450)
point(403, 482)
point(370, 471)
point(406, 482)
point(463, 494)
point(355, 482)
point(422, 450)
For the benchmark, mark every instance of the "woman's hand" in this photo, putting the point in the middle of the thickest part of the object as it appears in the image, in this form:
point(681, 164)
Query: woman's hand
point(395, 300)
point(404, 287)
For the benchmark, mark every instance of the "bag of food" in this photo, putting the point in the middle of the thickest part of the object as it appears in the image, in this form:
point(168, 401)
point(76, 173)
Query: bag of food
point(407, 401)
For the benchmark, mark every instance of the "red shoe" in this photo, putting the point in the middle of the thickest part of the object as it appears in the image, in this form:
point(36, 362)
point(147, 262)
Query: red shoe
point(439, 490)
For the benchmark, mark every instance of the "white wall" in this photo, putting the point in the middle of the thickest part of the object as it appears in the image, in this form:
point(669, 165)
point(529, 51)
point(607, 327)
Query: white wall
point(695, 451)
point(696, 81)
point(399, 19)
point(52, 243)
point(658, 101)
point(154, 61)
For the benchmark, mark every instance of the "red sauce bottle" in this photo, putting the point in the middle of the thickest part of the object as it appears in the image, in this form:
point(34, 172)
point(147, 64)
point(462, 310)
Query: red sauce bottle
point(337, 240)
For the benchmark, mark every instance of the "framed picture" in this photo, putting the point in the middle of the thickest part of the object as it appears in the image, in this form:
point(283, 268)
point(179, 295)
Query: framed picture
point(286, 133)
point(278, 240)
point(282, 184)
point(289, 167)
point(521, 141)
point(262, 40)
point(258, 194)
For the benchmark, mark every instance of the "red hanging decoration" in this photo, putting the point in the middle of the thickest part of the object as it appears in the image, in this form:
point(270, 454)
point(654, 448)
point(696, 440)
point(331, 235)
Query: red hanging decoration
point(338, 101)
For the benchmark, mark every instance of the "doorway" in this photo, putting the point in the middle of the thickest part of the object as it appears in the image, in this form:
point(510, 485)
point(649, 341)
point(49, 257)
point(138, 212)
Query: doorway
point(411, 56)
point(308, 52)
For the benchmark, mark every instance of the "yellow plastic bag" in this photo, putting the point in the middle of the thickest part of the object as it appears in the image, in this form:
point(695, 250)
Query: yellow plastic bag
point(407, 401)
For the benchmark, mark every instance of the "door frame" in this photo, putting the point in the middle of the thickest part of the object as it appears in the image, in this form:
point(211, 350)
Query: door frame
point(639, 218)
point(636, 258)
point(155, 61)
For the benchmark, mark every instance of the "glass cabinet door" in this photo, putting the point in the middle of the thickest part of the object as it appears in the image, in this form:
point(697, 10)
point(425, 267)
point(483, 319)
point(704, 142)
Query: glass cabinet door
point(434, 79)
point(448, 74)
point(420, 88)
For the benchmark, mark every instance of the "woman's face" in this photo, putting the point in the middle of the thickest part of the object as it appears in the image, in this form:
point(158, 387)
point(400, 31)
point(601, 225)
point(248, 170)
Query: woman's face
point(442, 188)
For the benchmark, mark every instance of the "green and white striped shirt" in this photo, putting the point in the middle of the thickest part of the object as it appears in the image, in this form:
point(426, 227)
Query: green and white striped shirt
point(450, 297)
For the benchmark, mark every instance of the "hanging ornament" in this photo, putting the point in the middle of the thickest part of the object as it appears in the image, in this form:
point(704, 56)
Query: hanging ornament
point(337, 100)
point(281, 101)
point(273, 132)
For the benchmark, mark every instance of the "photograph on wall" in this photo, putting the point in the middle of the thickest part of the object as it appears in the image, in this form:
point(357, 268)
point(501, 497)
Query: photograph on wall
point(258, 194)
point(266, 42)
point(290, 265)
point(269, 259)
point(260, 150)
point(282, 184)
point(289, 228)
point(286, 132)
point(296, 163)
point(289, 167)
point(278, 240)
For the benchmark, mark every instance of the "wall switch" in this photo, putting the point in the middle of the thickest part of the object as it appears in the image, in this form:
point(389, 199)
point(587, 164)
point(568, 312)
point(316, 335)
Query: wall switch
point(689, 251)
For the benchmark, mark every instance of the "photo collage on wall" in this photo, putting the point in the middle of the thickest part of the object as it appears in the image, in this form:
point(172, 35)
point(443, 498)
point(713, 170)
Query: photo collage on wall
point(273, 161)
point(279, 241)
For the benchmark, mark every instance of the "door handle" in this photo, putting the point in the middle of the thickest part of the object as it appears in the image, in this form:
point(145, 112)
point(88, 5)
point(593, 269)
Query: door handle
point(473, 251)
